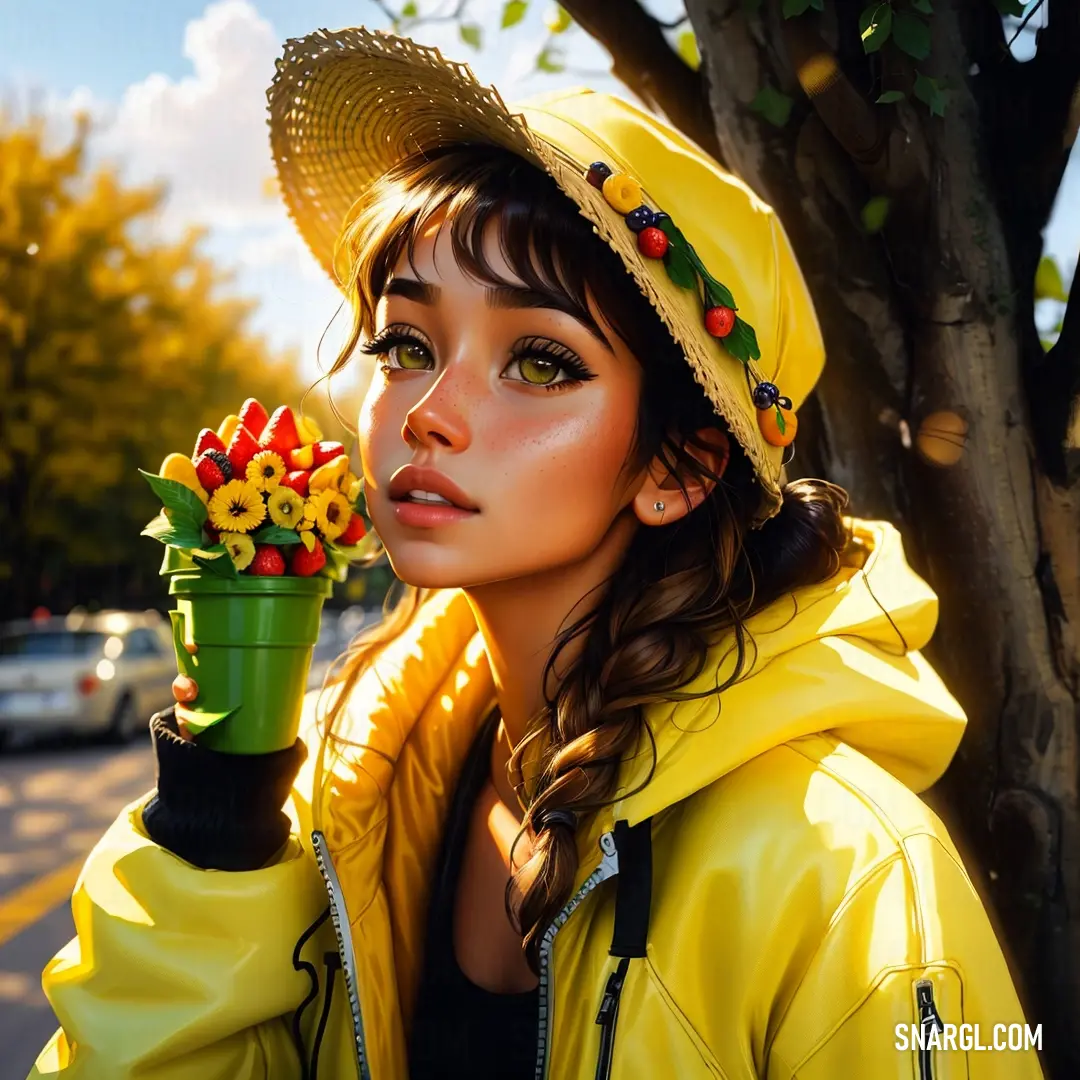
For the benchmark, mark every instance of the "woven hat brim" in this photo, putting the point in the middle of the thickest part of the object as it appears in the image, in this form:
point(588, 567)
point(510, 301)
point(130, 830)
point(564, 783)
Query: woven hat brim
point(346, 106)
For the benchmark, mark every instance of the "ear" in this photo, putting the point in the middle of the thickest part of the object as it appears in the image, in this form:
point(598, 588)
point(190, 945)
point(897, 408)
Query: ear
point(661, 486)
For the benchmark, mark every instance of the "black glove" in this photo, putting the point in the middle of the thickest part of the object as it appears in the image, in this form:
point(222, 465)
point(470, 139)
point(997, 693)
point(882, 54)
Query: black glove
point(219, 811)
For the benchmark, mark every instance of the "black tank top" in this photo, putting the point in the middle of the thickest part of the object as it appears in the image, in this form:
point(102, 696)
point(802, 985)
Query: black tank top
point(460, 1029)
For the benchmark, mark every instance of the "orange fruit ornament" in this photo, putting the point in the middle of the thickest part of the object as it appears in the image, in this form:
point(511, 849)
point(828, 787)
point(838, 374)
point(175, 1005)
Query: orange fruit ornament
point(769, 421)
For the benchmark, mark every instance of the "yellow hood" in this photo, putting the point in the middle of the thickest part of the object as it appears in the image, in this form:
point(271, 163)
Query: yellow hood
point(840, 657)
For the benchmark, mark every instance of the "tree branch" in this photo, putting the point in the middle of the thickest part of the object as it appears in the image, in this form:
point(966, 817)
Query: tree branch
point(1055, 395)
point(646, 63)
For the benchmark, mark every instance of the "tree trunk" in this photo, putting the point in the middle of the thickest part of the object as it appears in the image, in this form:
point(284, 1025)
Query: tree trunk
point(935, 314)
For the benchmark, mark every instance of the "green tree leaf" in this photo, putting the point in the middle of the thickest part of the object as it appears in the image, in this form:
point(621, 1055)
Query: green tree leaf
point(276, 534)
point(182, 503)
point(875, 213)
point(772, 104)
point(513, 13)
point(472, 35)
point(791, 8)
point(924, 6)
point(929, 91)
point(687, 47)
point(550, 60)
point(559, 20)
point(912, 35)
point(1049, 284)
point(890, 97)
point(875, 26)
point(410, 10)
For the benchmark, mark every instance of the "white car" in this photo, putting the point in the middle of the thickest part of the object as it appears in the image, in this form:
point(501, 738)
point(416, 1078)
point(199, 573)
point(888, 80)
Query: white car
point(105, 673)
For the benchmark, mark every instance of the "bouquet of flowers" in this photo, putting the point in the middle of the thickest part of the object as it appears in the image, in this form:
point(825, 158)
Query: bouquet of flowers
point(257, 523)
point(264, 496)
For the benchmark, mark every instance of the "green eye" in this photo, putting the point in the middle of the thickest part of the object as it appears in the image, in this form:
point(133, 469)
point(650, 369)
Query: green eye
point(537, 371)
point(412, 356)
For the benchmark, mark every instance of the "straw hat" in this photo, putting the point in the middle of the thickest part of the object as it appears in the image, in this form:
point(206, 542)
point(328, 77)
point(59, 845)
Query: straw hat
point(346, 106)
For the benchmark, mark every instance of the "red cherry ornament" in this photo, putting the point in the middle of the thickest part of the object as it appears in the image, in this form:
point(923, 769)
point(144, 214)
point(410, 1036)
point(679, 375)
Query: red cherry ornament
point(719, 321)
point(652, 242)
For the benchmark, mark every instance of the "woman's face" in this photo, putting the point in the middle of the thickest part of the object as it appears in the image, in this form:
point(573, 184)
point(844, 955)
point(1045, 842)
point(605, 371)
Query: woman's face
point(520, 414)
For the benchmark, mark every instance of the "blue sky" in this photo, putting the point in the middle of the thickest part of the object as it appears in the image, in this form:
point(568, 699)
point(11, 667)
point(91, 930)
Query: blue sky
point(178, 85)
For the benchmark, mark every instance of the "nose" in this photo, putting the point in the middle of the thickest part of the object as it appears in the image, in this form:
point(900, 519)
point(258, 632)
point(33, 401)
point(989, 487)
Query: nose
point(438, 418)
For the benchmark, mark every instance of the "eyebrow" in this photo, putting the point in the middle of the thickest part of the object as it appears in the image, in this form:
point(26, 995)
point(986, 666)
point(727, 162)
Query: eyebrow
point(500, 296)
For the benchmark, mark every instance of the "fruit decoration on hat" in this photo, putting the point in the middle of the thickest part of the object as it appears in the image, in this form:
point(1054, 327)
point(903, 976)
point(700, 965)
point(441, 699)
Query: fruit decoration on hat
point(659, 238)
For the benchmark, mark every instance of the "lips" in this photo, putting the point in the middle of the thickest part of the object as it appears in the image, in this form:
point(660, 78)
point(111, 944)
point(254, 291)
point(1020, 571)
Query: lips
point(416, 478)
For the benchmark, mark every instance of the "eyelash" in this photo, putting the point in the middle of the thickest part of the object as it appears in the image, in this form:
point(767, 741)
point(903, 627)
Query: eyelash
point(532, 348)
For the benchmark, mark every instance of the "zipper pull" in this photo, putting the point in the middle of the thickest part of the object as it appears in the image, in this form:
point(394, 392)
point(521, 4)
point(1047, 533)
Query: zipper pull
point(928, 1014)
point(610, 1001)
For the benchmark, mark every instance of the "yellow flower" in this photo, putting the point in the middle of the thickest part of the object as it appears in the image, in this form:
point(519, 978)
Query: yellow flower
point(236, 507)
point(286, 507)
point(331, 510)
point(265, 470)
point(241, 549)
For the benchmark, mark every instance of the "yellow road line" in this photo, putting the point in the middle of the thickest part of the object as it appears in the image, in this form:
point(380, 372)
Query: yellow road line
point(26, 905)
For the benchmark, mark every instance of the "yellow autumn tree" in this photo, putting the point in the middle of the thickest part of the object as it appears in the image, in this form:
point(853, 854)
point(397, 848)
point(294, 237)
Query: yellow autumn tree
point(115, 348)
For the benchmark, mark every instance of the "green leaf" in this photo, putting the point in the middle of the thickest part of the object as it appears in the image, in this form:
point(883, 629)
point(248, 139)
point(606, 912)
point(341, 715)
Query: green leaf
point(409, 11)
point(276, 534)
point(717, 294)
point(742, 342)
point(890, 97)
point(912, 35)
point(671, 231)
point(551, 61)
point(818, 5)
point(928, 91)
point(781, 424)
point(1049, 284)
point(924, 6)
point(680, 268)
point(221, 565)
point(1011, 7)
point(513, 12)
point(773, 105)
point(337, 563)
point(471, 34)
point(686, 46)
point(875, 213)
point(875, 25)
point(183, 504)
point(162, 528)
point(559, 21)
point(792, 8)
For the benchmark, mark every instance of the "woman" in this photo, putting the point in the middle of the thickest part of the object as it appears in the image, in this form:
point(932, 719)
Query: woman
point(622, 786)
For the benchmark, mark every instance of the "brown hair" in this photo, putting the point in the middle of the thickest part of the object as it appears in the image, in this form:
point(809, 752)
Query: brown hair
point(680, 586)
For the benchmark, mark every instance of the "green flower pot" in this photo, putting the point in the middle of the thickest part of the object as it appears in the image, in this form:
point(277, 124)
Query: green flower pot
point(253, 639)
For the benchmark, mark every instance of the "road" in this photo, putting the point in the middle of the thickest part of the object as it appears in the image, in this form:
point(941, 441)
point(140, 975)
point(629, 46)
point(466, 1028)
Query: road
point(55, 802)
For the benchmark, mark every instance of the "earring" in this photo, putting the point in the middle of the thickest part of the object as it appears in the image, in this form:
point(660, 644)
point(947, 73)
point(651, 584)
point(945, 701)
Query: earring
point(658, 507)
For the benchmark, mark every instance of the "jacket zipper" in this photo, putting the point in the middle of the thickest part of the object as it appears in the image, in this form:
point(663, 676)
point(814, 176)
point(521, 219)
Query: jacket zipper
point(929, 1021)
point(607, 1016)
point(340, 918)
point(608, 868)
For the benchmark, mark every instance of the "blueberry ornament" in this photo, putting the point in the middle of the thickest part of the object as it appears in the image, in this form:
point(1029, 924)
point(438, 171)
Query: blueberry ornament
point(598, 173)
point(766, 395)
point(641, 218)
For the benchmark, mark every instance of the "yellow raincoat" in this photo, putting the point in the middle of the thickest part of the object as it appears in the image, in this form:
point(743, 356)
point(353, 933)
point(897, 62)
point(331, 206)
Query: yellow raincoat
point(804, 902)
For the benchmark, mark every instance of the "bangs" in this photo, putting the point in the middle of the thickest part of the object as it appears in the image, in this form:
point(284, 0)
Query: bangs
point(543, 238)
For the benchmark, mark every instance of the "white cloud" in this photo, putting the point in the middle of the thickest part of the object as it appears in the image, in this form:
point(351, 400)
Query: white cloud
point(205, 134)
